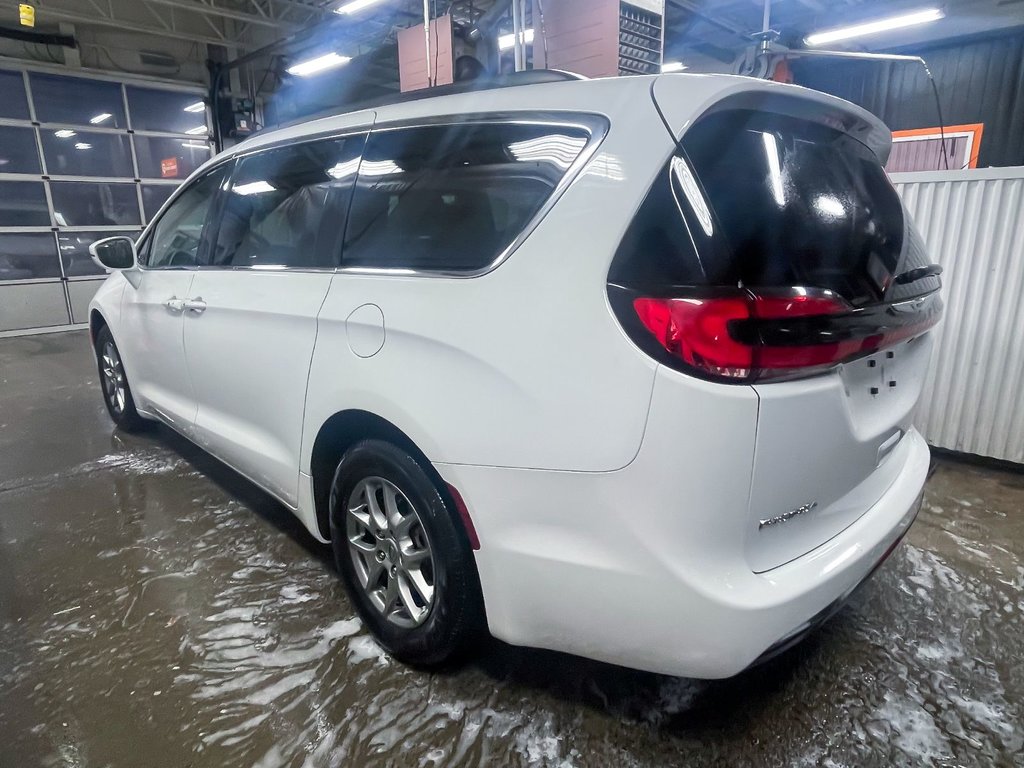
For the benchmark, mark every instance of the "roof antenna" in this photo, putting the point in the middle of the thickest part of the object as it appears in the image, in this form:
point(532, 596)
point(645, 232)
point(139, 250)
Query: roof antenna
point(426, 38)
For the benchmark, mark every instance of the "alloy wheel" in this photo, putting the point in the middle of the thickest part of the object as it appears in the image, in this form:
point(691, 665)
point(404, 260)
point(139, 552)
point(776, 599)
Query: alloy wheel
point(114, 385)
point(390, 551)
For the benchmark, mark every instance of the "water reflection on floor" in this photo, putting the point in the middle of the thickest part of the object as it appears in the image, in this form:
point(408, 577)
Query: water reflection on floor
point(157, 610)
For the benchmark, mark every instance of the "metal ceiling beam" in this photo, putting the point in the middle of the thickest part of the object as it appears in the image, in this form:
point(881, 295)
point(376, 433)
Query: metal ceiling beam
point(311, 11)
point(209, 9)
point(105, 17)
point(724, 24)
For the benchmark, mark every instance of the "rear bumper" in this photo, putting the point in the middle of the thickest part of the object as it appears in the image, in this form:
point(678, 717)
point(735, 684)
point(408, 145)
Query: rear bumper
point(644, 567)
point(813, 623)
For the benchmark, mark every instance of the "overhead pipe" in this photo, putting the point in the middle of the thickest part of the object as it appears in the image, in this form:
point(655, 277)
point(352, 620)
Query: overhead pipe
point(517, 36)
point(896, 57)
point(426, 40)
point(481, 34)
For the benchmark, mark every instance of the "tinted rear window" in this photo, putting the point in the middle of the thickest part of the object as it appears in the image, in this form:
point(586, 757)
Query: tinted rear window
point(452, 198)
point(769, 201)
point(798, 203)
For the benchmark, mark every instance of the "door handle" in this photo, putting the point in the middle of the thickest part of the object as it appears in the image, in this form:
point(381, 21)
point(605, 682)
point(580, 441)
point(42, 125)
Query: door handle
point(175, 304)
point(196, 305)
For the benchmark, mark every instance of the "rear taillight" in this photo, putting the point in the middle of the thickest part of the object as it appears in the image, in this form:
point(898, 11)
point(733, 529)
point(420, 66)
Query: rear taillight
point(746, 336)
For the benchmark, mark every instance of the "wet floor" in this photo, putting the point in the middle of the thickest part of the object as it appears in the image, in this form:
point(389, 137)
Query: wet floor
point(157, 610)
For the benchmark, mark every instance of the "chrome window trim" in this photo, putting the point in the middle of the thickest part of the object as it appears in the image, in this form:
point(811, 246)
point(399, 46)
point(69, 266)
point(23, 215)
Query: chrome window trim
point(594, 124)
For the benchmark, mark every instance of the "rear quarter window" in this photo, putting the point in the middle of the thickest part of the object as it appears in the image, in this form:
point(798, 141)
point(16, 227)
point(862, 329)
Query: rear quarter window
point(452, 198)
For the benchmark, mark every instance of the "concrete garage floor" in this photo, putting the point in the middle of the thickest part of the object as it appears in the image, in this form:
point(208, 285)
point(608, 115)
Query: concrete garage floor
point(157, 610)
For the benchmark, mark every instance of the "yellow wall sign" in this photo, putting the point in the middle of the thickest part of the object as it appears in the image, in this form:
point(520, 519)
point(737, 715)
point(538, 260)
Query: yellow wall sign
point(28, 15)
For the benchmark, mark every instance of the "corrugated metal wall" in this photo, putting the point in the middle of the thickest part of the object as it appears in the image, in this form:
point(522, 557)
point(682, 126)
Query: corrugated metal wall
point(973, 222)
point(979, 81)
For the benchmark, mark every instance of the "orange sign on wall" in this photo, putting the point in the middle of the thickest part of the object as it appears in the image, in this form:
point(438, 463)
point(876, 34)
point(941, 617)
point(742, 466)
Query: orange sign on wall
point(169, 167)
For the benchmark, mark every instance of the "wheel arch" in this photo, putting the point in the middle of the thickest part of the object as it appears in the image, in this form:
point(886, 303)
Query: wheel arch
point(96, 323)
point(340, 432)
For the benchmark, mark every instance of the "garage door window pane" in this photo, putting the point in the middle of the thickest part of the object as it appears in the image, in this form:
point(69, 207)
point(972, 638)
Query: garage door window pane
point(28, 256)
point(170, 111)
point(13, 103)
point(77, 100)
point(80, 153)
point(286, 207)
point(74, 250)
point(453, 198)
point(23, 204)
point(155, 195)
point(18, 152)
point(85, 204)
point(163, 158)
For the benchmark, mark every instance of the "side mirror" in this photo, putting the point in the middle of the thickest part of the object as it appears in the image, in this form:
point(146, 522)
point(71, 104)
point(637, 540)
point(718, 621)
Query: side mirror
point(115, 253)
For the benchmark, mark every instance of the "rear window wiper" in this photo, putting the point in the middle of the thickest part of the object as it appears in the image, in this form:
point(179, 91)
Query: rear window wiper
point(913, 275)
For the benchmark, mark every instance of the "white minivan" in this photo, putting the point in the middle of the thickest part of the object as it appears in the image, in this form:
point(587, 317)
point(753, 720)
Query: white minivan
point(623, 368)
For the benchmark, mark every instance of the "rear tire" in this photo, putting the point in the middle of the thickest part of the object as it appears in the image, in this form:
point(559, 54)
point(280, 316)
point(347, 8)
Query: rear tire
point(404, 559)
point(117, 394)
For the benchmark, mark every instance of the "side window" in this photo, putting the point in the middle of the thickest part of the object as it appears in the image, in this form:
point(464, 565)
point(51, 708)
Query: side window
point(174, 241)
point(286, 207)
point(453, 197)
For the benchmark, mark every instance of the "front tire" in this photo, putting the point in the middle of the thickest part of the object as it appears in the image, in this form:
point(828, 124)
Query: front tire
point(404, 559)
point(117, 394)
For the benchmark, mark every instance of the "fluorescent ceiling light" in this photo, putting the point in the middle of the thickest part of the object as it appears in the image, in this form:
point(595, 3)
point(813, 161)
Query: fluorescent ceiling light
point(554, 148)
point(874, 27)
point(693, 194)
point(319, 64)
point(379, 168)
point(199, 106)
point(196, 131)
point(195, 144)
point(771, 150)
point(673, 66)
point(101, 117)
point(505, 42)
point(254, 188)
point(355, 6)
point(830, 206)
point(64, 133)
point(83, 145)
point(344, 170)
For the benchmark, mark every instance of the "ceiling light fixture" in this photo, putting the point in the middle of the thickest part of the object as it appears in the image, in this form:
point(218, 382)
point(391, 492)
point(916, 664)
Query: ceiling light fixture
point(506, 42)
point(64, 133)
point(254, 188)
point(673, 66)
point(100, 118)
point(196, 131)
point(83, 145)
point(199, 106)
point(355, 6)
point(195, 144)
point(874, 27)
point(319, 64)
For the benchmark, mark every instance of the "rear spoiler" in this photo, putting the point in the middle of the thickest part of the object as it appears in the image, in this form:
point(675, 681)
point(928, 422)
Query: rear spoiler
point(681, 99)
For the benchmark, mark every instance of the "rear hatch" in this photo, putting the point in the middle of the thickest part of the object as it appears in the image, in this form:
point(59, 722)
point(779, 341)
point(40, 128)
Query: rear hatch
point(793, 268)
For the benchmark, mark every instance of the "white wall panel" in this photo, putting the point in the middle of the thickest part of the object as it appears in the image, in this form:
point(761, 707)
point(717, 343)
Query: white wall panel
point(32, 305)
point(80, 293)
point(973, 222)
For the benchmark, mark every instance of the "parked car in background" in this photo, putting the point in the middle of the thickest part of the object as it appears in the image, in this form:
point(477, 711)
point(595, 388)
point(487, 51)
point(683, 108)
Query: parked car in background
point(623, 368)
